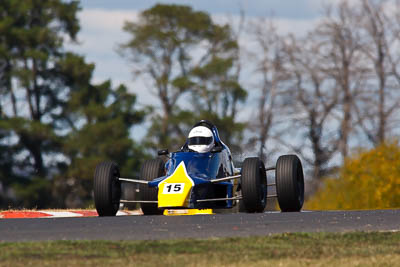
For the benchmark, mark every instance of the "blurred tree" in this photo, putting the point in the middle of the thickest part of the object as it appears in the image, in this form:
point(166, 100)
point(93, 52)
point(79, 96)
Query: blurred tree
point(54, 121)
point(6, 163)
point(106, 116)
point(31, 37)
point(342, 61)
point(270, 86)
point(216, 94)
point(99, 119)
point(377, 109)
point(176, 48)
point(315, 98)
point(369, 180)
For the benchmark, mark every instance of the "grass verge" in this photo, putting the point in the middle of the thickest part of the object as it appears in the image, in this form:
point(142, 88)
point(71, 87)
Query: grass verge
point(301, 249)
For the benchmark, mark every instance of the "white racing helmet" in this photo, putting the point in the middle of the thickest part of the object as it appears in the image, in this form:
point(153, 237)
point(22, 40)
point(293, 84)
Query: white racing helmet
point(201, 139)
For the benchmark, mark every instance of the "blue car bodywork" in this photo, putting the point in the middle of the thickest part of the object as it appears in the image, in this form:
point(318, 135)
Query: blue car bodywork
point(203, 168)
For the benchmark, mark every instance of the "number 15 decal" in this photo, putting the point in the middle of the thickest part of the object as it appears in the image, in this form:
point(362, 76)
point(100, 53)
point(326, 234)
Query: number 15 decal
point(173, 188)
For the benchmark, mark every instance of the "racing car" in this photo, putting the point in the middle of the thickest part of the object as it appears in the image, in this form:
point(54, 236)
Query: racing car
point(201, 175)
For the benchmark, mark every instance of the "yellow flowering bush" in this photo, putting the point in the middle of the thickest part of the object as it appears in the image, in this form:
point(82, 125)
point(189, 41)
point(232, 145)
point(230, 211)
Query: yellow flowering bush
point(369, 180)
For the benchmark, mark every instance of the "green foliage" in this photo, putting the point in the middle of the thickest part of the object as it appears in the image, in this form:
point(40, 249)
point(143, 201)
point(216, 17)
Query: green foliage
point(183, 51)
point(106, 116)
point(215, 96)
point(57, 125)
point(6, 163)
point(369, 180)
point(293, 249)
point(31, 44)
point(34, 193)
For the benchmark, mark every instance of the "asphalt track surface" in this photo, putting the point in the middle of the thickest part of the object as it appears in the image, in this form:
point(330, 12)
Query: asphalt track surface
point(198, 226)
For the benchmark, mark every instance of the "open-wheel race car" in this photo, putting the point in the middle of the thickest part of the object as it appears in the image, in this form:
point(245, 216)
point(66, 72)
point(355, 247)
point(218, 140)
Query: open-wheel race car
point(201, 175)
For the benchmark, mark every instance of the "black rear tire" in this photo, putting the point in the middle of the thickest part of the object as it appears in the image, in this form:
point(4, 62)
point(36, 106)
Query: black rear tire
point(241, 207)
point(150, 170)
point(254, 185)
point(107, 189)
point(289, 183)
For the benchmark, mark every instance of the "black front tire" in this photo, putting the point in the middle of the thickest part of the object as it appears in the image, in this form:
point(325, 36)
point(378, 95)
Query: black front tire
point(254, 185)
point(107, 189)
point(150, 170)
point(289, 183)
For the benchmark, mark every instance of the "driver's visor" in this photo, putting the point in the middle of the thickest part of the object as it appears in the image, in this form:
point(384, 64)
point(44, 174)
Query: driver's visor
point(199, 140)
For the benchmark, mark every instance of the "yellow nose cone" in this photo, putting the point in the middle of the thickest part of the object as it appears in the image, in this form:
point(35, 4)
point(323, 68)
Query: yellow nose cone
point(175, 190)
